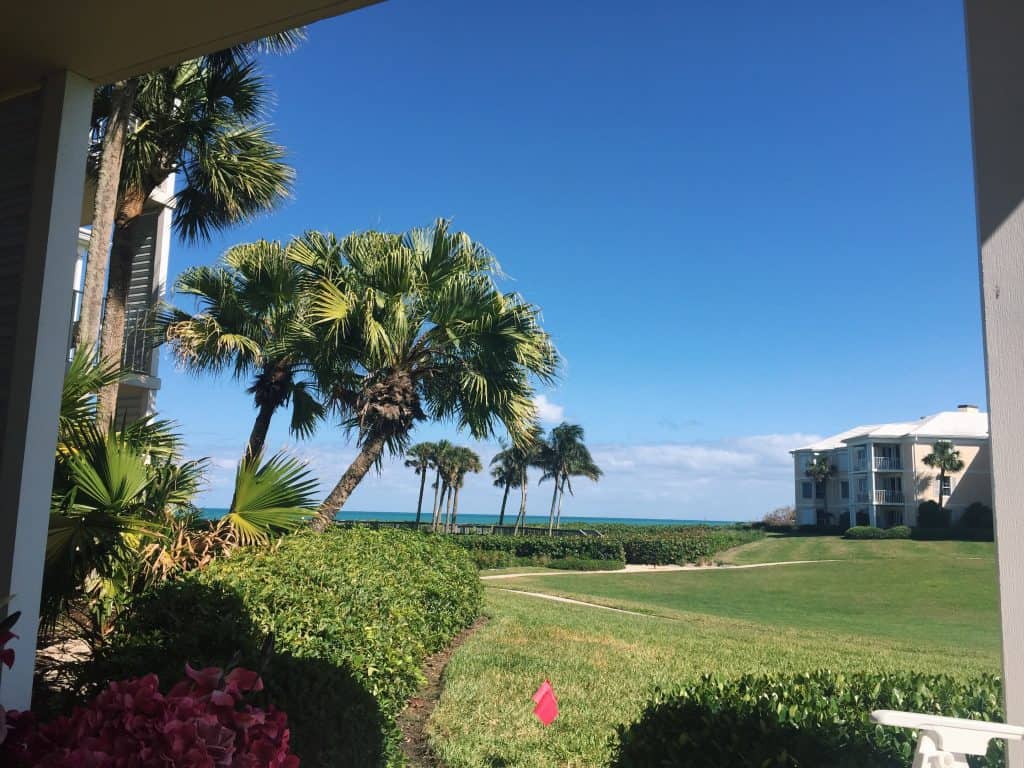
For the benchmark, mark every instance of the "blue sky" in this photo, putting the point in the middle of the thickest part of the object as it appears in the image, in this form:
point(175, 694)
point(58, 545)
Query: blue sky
point(747, 223)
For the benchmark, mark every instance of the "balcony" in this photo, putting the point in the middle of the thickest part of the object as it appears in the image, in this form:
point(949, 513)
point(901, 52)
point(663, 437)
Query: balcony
point(888, 464)
point(888, 497)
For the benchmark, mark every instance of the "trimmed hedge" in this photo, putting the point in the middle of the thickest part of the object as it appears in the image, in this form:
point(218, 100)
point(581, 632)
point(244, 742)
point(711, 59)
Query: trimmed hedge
point(931, 515)
point(648, 545)
point(811, 719)
point(352, 614)
point(871, 532)
point(576, 564)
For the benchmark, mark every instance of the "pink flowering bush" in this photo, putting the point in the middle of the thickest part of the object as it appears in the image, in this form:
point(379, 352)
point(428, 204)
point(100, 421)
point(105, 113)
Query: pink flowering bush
point(202, 722)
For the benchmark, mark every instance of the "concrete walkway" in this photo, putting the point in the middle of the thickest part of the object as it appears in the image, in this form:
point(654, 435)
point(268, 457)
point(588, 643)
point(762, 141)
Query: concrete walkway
point(569, 600)
point(651, 569)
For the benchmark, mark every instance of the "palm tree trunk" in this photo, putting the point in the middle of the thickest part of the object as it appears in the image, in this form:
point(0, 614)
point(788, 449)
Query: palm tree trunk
point(504, 501)
point(435, 515)
point(455, 510)
point(558, 513)
point(419, 505)
point(363, 463)
point(447, 508)
point(104, 207)
point(258, 436)
point(521, 517)
point(122, 253)
point(551, 514)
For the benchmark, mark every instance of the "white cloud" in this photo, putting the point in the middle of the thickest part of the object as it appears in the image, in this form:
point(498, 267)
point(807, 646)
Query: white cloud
point(548, 412)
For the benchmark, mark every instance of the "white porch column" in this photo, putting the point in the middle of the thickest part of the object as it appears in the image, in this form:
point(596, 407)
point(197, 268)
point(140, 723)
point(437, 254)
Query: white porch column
point(873, 513)
point(43, 144)
point(995, 45)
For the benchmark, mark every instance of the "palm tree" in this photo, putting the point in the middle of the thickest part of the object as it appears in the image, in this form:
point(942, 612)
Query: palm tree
point(466, 461)
point(945, 458)
point(113, 108)
point(507, 475)
point(420, 458)
point(412, 329)
point(250, 321)
point(562, 457)
point(203, 121)
point(820, 469)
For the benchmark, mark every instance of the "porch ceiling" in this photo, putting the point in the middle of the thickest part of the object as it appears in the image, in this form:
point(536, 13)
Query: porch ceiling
point(106, 40)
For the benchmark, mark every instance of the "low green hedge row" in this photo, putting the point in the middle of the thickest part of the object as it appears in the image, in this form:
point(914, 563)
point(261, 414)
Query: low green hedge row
point(871, 532)
point(578, 564)
point(352, 614)
point(802, 720)
point(651, 545)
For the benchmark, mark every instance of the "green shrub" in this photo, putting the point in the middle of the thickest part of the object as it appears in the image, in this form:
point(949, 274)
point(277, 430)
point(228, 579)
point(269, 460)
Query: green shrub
point(956, 533)
point(977, 515)
point(864, 532)
point(352, 615)
point(579, 564)
point(816, 719)
point(897, 532)
point(931, 515)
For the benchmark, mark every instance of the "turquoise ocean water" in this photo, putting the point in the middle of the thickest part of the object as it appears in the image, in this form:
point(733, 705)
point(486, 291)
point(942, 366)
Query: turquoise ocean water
point(509, 518)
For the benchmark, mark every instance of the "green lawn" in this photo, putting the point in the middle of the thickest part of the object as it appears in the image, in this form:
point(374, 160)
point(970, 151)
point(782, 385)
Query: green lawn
point(930, 607)
point(777, 548)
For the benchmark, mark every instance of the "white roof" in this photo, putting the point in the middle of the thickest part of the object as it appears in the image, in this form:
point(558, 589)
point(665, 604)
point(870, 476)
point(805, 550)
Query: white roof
point(945, 424)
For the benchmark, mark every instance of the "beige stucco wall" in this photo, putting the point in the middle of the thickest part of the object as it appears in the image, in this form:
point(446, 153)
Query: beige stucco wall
point(972, 484)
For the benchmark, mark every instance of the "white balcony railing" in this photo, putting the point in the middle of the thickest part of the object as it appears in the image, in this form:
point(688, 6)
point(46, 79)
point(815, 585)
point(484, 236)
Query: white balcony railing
point(888, 497)
point(887, 463)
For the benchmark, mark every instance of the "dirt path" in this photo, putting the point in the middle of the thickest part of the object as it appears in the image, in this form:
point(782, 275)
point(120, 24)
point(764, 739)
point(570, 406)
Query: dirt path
point(413, 720)
point(654, 569)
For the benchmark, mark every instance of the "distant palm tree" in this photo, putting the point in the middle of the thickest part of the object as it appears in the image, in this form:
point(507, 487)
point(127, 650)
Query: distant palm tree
point(466, 461)
point(820, 469)
point(507, 475)
point(250, 321)
point(439, 461)
point(413, 328)
point(420, 458)
point(562, 457)
point(945, 458)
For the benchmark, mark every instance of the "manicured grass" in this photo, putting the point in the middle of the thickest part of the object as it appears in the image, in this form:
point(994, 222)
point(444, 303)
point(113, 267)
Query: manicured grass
point(910, 611)
point(776, 548)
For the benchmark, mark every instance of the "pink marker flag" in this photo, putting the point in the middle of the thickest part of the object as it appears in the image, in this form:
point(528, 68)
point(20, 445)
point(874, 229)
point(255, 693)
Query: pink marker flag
point(546, 705)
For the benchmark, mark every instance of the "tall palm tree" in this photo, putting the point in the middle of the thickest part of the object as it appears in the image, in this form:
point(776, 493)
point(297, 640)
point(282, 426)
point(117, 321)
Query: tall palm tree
point(945, 458)
point(562, 457)
point(203, 121)
point(506, 475)
point(466, 461)
point(420, 459)
point(250, 321)
point(820, 469)
point(112, 122)
point(413, 328)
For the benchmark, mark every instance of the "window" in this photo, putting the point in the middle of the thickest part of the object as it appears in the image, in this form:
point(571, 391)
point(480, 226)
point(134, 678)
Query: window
point(844, 489)
point(807, 489)
point(820, 489)
point(947, 486)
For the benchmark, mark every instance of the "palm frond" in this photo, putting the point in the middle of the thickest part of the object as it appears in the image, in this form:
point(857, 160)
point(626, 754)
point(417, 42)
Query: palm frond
point(277, 496)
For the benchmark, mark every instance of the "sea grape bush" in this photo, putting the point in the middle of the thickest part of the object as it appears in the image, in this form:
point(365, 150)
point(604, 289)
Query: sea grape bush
point(204, 720)
point(649, 545)
point(808, 719)
point(352, 614)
